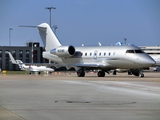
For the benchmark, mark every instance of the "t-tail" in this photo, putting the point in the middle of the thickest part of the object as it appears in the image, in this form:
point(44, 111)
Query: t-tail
point(49, 39)
point(12, 59)
point(18, 62)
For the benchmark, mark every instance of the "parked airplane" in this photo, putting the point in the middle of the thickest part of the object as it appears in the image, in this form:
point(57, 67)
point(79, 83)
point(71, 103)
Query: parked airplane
point(31, 68)
point(156, 57)
point(102, 58)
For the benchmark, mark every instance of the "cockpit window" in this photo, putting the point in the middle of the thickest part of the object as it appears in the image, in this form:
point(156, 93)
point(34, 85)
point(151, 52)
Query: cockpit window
point(139, 51)
point(134, 51)
point(130, 51)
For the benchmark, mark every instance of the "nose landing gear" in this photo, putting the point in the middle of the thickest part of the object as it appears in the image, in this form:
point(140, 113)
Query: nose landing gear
point(137, 72)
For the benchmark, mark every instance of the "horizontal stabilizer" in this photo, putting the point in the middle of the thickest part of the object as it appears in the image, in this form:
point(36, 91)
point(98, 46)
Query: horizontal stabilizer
point(27, 26)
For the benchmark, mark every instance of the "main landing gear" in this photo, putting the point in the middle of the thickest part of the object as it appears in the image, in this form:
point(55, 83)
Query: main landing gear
point(101, 74)
point(81, 73)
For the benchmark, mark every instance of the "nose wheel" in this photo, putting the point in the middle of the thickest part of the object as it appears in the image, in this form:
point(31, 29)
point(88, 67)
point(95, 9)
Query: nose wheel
point(137, 72)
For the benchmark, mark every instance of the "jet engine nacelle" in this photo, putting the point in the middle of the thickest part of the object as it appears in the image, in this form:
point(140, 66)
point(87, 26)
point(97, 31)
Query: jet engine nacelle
point(63, 51)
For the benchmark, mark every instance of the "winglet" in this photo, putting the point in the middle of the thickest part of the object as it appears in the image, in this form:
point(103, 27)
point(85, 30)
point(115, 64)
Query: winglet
point(12, 59)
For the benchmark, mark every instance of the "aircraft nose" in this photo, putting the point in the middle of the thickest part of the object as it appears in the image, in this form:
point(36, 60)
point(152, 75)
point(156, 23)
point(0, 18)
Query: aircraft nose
point(150, 62)
point(146, 61)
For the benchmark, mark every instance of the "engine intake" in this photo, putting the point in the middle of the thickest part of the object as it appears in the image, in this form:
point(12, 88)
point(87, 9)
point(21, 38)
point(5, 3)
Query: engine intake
point(63, 51)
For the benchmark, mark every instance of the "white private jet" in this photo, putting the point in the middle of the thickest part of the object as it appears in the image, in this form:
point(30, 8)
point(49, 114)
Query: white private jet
point(156, 57)
point(31, 68)
point(101, 58)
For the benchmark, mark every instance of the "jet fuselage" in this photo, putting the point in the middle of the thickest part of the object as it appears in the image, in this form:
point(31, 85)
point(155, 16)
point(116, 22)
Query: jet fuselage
point(106, 57)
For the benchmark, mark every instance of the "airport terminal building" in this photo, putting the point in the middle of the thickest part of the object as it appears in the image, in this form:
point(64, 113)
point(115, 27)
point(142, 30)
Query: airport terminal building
point(151, 50)
point(23, 53)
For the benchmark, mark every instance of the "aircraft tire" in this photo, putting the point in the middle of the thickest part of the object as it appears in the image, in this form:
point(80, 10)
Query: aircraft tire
point(135, 72)
point(141, 75)
point(114, 72)
point(81, 74)
point(101, 73)
point(129, 72)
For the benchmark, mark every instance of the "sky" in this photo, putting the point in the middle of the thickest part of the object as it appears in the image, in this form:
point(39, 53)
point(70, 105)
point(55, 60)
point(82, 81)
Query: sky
point(82, 21)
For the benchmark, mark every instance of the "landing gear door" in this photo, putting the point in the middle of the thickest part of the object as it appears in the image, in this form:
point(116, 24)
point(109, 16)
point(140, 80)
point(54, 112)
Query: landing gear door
point(95, 54)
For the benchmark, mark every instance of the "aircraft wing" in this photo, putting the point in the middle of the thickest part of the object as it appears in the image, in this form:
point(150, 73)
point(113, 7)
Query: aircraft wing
point(34, 70)
point(40, 64)
point(88, 65)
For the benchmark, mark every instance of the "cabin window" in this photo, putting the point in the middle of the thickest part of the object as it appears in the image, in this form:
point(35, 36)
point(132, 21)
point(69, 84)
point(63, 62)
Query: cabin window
point(99, 54)
point(85, 54)
point(105, 54)
point(81, 54)
point(109, 53)
point(90, 54)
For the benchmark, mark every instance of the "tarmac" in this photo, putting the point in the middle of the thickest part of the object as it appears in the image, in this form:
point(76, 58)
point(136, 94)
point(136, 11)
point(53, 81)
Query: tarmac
point(64, 96)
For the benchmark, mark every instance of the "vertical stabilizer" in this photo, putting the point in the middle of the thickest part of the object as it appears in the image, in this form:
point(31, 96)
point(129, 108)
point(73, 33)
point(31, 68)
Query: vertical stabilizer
point(18, 62)
point(49, 39)
point(12, 59)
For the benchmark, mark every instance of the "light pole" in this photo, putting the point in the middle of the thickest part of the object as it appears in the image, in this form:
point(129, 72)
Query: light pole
point(50, 8)
point(32, 52)
point(10, 36)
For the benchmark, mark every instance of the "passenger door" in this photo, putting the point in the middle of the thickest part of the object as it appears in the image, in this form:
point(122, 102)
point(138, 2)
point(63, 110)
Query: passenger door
point(95, 54)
